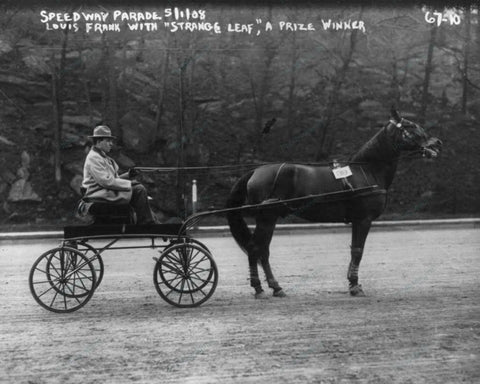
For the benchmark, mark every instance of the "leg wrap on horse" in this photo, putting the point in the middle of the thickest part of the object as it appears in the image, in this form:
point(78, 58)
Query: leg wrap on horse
point(353, 267)
point(255, 282)
point(254, 278)
point(274, 285)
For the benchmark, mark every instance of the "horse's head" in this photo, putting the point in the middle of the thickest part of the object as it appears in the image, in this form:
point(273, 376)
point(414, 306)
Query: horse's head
point(409, 136)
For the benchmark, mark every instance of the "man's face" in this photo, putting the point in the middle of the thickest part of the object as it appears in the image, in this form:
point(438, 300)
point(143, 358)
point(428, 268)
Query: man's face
point(105, 145)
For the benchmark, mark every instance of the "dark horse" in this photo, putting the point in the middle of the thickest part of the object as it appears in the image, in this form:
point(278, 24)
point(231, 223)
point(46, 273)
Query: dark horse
point(358, 199)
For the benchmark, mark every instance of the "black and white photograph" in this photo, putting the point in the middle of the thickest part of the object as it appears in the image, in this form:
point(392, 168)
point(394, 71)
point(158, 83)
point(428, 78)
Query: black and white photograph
point(239, 192)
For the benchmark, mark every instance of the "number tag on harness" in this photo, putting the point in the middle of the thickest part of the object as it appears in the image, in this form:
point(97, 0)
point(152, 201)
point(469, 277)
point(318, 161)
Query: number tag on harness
point(342, 172)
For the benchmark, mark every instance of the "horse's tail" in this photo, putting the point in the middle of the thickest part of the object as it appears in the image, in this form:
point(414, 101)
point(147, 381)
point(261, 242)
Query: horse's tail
point(238, 227)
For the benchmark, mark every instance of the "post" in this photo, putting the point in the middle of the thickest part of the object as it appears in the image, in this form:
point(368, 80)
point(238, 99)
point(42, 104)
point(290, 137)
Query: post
point(194, 196)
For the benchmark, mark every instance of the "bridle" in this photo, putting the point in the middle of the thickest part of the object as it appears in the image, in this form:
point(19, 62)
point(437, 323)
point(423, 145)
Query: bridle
point(409, 138)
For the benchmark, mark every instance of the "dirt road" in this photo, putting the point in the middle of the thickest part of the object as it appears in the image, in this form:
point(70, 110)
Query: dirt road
point(420, 321)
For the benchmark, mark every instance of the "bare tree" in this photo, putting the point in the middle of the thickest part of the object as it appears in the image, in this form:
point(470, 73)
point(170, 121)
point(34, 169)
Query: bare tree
point(162, 88)
point(466, 53)
point(291, 88)
point(112, 105)
point(58, 82)
point(428, 73)
point(337, 81)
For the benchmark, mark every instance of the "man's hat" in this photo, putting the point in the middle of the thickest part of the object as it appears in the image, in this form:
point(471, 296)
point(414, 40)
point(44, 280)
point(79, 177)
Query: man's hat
point(102, 131)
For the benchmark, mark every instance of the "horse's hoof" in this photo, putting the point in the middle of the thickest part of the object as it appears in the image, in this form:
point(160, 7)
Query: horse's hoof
point(261, 295)
point(357, 291)
point(280, 293)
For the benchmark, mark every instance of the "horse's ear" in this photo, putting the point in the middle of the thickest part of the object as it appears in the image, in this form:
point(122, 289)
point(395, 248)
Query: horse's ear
point(394, 114)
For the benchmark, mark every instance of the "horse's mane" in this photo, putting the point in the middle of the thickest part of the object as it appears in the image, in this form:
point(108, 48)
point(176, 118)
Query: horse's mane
point(378, 148)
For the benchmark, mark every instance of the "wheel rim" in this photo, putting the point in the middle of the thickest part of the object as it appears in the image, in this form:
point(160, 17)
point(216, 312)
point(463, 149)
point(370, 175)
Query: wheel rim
point(185, 275)
point(62, 280)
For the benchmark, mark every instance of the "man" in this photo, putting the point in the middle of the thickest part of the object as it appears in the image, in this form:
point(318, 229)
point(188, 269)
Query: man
point(103, 184)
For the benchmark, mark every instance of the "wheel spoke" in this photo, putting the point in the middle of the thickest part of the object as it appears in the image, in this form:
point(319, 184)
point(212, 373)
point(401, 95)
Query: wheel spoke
point(171, 290)
point(199, 270)
point(84, 275)
point(76, 270)
point(198, 262)
point(77, 286)
point(54, 297)
point(199, 278)
point(197, 288)
point(172, 268)
point(64, 297)
point(181, 291)
point(191, 256)
point(74, 279)
point(183, 258)
point(45, 281)
point(59, 273)
point(84, 287)
point(190, 292)
point(49, 289)
point(41, 270)
point(173, 258)
point(167, 282)
point(73, 294)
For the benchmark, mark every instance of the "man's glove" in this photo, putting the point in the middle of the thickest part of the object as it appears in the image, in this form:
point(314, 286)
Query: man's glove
point(132, 172)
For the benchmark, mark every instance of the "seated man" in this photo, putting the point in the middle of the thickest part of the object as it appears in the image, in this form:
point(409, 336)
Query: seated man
point(103, 184)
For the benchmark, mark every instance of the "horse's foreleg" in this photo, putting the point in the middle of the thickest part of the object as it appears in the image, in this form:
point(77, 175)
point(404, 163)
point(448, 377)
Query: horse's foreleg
point(360, 231)
point(352, 275)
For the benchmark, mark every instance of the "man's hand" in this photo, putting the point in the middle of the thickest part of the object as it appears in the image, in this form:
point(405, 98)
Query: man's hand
point(132, 172)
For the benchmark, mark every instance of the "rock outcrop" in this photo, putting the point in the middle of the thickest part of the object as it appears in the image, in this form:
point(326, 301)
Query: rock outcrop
point(21, 189)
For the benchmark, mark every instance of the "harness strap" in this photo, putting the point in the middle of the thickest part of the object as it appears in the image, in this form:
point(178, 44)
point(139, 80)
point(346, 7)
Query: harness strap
point(275, 180)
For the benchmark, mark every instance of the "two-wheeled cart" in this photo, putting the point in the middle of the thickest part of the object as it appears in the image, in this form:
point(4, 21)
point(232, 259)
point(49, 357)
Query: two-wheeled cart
point(64, 278)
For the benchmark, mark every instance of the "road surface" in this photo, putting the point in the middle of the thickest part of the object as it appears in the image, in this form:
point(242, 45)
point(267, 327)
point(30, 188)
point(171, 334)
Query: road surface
point(420, 321)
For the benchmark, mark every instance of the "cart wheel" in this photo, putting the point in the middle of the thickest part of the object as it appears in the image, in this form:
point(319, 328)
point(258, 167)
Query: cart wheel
point(185, 275)
point(200, 285)
point(93, 256)
point(62, 280)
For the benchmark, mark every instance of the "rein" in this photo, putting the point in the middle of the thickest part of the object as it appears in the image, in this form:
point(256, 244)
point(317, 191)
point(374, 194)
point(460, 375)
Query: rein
point(241, 167)
point(232, 167)
point(227, 168)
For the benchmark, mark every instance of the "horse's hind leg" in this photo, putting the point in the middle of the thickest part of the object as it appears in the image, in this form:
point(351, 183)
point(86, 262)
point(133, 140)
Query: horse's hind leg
point(360, 231)
point(259, 252)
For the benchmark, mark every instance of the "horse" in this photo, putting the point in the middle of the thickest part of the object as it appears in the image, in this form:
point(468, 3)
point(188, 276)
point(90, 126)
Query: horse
point(357, 195)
